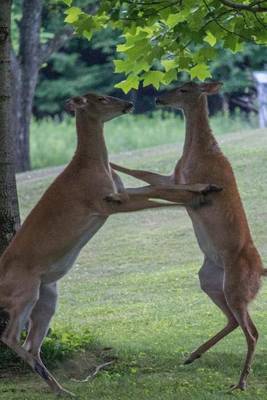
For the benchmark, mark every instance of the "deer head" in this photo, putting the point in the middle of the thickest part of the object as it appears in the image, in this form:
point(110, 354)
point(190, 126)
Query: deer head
point(99, 107)
point(188, 94)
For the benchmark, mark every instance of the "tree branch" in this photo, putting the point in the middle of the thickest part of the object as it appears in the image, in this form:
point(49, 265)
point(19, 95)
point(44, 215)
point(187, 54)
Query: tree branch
point(61, 37)
point(246, 39)
point(254, 7)
point(55, 43)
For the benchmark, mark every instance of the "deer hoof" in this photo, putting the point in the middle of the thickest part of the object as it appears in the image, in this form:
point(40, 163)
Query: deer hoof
point(212, 188)
point(114, 198)
point(191, 359)
point(238, 386)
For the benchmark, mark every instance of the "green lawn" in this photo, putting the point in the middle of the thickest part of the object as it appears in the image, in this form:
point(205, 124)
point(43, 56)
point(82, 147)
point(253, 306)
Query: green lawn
point(53, 143)
point(135, 289)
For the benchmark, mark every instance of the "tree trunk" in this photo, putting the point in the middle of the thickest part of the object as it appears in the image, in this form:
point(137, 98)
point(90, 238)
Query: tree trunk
point(15, 106)
point(26, 78)
point(9, 211)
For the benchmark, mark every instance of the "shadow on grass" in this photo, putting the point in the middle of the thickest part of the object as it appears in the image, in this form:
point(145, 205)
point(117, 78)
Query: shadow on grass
point(77, 355)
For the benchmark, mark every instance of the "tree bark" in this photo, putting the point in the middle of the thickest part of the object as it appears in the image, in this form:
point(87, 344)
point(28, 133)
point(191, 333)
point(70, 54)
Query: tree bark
point(26, 77)
point(9, 211)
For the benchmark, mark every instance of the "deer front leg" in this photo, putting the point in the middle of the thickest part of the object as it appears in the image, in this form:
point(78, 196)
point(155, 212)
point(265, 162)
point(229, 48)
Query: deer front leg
point(182, 194)
point(133, 199)
point(150, 177)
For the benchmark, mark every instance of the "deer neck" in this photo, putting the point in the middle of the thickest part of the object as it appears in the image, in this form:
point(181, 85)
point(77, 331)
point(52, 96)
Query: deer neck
point(91, 144)
point(198, 136)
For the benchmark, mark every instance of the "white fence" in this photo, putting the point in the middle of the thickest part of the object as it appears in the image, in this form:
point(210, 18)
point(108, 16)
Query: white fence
point(261, 81)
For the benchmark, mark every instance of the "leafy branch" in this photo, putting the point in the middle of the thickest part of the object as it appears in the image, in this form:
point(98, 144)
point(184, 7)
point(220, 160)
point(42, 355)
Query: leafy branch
point(253, 7)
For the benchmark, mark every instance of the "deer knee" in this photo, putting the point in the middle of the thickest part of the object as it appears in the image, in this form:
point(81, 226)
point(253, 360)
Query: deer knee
point(211, 278)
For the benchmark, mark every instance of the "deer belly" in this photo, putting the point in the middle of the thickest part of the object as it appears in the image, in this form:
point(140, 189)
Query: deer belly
point(60, 267)
point(205, 242)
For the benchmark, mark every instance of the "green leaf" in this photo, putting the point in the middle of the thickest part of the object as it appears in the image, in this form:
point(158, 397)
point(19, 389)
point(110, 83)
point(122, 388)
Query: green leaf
point(169, 77)
point(200, 71)
point(205, 54)
point(72, 14)
point(174, 19)
point(185, 62)
point(232, 42)
point(68, 2)
point(153, 78)
point(119, 66)
point(127, 66)
point(125, 46)
point(87, 34)
point(140, 66)
point(169, 64)
point(132, 82)
point(210, 39)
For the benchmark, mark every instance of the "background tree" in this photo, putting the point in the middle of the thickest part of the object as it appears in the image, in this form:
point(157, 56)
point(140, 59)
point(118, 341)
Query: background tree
point(9, 212)
point(30, 51)
point(78, 67)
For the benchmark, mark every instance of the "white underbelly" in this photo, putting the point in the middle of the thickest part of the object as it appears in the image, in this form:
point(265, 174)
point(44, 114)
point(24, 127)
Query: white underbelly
point(205, 242)
point(59, 268)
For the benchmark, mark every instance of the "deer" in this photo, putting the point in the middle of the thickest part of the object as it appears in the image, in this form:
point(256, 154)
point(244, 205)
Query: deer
point(68, 215)
point(232, 269)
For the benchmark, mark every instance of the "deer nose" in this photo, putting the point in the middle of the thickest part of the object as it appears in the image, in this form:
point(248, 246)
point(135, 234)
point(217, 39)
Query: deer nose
point(129, 107)
point(68, 105)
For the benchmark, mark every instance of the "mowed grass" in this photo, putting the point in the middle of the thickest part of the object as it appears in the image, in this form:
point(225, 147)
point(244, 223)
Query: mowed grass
point(134, 293)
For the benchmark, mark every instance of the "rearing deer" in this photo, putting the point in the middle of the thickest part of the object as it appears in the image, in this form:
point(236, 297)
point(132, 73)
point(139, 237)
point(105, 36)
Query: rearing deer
point(232, 268)
point(70, 212)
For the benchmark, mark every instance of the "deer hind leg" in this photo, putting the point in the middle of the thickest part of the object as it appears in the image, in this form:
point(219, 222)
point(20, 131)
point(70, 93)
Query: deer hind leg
point(238, 295)
point(40, 318)
point(19, 314)
point(211, 280)
point(150, 177)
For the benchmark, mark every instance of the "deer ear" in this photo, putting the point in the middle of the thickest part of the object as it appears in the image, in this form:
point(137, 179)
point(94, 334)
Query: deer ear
point(211, 87)
point(80, 101)
point(75, 102)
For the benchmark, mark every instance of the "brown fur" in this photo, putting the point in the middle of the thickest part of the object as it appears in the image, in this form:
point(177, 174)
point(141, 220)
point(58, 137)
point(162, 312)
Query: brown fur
point(69, 213)
point(232, 268)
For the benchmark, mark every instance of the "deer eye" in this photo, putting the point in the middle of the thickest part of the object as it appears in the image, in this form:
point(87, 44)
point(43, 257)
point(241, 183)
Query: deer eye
point(103, 100)
point(183, 90)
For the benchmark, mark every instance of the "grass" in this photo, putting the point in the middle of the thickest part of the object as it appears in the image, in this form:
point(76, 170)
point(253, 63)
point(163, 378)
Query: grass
point(135, 289)
point(53, 143)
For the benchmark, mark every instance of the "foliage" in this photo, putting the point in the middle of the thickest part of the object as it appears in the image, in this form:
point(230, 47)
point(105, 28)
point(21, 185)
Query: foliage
point(53, 143)
point(83, 65)
point(59, 345)
point(164, 37)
